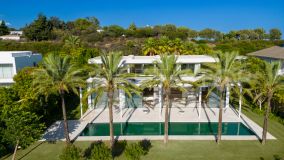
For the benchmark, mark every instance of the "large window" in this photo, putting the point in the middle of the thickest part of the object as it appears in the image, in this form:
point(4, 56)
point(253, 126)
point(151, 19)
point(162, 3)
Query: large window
point(6, 71)
point(187, 66)
point(139, 68)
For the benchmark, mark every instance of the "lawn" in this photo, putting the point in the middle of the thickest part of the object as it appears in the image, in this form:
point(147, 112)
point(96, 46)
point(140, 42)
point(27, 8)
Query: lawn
point(184, 150)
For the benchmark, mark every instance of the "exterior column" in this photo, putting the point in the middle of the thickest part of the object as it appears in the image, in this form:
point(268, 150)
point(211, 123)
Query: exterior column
point(199, 101)
point(240, 101)
point(227, 101)
point(81, 105)
point(89, 97)
point(196, 68)
point(178, 67)
point(121, 101)
point(128, 69)
point(160, 96)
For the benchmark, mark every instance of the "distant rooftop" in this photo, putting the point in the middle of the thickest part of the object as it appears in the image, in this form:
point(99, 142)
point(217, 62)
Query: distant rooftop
point(272, 52)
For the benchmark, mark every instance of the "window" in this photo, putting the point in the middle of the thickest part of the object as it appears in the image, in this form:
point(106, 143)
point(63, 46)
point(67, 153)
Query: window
point(6, 71)
point(187, 66)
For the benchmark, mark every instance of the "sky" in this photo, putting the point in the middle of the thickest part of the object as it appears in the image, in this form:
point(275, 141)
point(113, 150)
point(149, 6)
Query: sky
point(223, 15)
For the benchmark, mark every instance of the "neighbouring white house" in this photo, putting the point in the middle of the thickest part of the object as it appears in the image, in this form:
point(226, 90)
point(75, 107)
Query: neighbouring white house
point(14, 35)
point(275, 53)
point(19, 33)
point(10, 37)
point(12, 62)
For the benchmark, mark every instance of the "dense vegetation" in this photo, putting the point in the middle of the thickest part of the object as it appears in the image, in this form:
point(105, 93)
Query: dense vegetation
point(20, 101)
point(89, 29)
point(53, 33)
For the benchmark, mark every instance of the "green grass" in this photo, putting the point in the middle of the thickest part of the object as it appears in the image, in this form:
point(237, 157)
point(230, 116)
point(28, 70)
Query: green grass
point(184, 150)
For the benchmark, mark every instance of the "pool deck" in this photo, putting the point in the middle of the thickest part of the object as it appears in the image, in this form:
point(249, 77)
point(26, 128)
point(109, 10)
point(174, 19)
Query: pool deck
point(147, 114)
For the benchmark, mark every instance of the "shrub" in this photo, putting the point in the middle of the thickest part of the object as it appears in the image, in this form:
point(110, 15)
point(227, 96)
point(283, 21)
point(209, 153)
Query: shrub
point(134, 151)
point(71, 152)
point(146, 145)
point(118, 148)
point(3, 150)
point(100, 152)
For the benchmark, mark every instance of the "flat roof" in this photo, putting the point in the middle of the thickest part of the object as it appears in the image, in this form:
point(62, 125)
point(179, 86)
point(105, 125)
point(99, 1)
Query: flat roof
point(16, 53)
point(275, 52)
point(131, 59)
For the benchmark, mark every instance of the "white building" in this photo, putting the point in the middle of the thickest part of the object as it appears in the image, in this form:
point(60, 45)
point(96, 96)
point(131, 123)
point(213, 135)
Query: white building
point(14, 35)
point(13, 61)
point(137, 64)
point(272, 54)
point(10, 37)
point(19, 33)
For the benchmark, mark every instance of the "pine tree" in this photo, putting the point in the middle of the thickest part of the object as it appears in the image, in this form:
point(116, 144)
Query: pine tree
point(4, 30)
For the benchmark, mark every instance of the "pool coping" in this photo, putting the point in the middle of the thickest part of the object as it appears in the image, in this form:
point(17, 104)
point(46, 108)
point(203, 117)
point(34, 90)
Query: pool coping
point(161, 137)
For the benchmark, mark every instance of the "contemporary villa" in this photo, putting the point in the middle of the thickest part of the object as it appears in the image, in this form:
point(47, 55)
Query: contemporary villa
point(13, 61)
point(193, 115)
point(137, 65)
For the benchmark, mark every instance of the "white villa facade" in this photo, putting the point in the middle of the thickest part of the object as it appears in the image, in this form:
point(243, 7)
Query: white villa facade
point(13, 61)
point(153, 98)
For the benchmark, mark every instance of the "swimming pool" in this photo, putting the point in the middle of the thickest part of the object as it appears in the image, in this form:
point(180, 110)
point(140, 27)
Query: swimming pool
point(175, 128)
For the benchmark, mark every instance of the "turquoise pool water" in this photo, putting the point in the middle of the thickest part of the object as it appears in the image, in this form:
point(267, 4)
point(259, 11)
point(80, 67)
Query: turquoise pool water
point(175, 128)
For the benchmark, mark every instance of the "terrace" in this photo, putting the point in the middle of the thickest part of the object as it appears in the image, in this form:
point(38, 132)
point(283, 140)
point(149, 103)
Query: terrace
point(182, 111)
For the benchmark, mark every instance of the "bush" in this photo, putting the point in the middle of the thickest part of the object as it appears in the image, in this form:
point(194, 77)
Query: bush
point(71, 152)
point(146, 145)
point(118, 148)
point(3, 150)
point(100, 152)
point(134, 151)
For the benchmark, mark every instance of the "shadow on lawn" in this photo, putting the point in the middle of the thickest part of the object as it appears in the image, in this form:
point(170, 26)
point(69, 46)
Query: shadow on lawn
point(146, 145)
point(33, 148)
point(119, 147)
point(276, 157)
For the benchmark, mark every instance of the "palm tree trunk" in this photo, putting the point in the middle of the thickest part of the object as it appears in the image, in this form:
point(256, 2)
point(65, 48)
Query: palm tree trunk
point(220, 116)
point(166, 134)
point(15, 150)
point(66, 130)
point(265, 122)
point(110, 102)
point(260, 104)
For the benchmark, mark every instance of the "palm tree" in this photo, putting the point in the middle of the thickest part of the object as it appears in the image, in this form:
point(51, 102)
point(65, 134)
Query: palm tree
point(268, 83)
point(222, 74)
point(150, 47)
point(166, 74)
point(111, 77)
point(58, 75)
point(72, 41)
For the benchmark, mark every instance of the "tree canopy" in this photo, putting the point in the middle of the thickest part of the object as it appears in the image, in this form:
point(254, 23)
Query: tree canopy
point(40, 29)
point(4, 30)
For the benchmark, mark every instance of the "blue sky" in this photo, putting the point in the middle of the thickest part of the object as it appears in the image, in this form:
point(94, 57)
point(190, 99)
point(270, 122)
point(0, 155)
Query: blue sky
point(223, 15)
